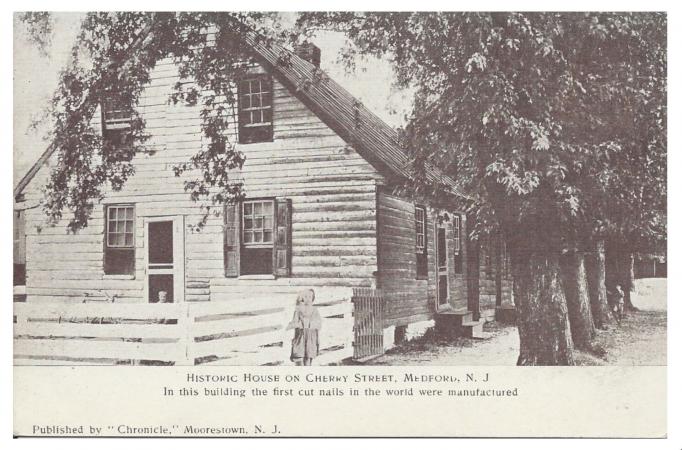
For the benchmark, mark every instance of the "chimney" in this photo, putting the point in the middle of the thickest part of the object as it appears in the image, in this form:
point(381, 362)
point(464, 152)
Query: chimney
point(308, 51)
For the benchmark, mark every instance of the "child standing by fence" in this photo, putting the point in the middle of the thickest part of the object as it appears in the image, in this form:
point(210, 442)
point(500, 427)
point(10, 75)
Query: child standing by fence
point(306, 324)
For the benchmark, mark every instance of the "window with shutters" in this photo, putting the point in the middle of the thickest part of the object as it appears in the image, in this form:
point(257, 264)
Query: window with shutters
point(258, 217)
point(255, 110)
point(257, 240)
point(457, 243)
point(420, 229)
point(119, 242)
point(116, 123)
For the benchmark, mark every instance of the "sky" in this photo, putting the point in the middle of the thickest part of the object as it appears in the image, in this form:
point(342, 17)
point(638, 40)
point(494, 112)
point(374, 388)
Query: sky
point(36, 77)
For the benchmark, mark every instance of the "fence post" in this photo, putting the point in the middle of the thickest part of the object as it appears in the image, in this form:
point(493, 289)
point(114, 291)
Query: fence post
point(186, 341)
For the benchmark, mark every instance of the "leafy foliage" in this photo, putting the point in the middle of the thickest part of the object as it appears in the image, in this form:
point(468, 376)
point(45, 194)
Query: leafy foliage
point(554, 123)
point(112, 58)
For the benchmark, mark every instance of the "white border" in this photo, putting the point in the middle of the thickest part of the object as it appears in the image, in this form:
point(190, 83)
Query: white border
point(674, 390)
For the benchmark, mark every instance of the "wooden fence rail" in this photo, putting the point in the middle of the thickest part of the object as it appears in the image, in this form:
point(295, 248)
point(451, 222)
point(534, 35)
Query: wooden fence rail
point(239, 332)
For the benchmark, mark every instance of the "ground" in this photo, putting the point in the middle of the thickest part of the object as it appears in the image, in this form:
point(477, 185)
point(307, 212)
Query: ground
point(640, 339)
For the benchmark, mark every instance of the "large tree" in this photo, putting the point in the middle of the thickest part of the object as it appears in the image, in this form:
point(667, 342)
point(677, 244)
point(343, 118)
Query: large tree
point(526, 111)
point(520, 109)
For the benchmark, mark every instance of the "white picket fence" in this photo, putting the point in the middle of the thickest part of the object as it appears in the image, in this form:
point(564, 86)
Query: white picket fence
point(243, 332)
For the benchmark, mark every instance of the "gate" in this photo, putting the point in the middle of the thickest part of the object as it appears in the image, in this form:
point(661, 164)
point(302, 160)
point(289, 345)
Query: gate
point(369, 322)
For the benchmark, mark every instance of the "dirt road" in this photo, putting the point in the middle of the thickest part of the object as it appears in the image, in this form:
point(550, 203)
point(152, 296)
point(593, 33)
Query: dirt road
point(640, 339)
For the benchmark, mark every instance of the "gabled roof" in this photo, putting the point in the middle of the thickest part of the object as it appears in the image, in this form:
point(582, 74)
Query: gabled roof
point(371, 137)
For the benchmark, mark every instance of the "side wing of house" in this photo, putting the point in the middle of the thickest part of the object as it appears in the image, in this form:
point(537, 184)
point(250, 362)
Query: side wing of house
point(309, 197)
point(422, 260)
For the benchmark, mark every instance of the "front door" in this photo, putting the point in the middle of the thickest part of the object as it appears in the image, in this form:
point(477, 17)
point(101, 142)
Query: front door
point(165, 262)
point(442, 264)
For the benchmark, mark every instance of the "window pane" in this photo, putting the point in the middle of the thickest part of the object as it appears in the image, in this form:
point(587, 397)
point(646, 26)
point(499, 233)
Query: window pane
point(248, 224)
point(245, 101)
point(129, 226)
point(258, 223)
point(112, 213)
point(129, 213)
point(267, 115)
point(266, 99)
point(267, 236)
point(257, 209)
point(267, 222)
point(255, 101)
point(248, 237)
point(257, 236)
point(128, 239)
point(247, 209)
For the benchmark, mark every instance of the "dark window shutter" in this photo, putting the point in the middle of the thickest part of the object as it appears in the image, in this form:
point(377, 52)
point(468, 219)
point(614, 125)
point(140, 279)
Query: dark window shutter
point(281, 255)
point(232, 241)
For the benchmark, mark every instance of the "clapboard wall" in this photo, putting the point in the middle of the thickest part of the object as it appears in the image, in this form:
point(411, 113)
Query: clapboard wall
point(332, 188)
point(409, 299)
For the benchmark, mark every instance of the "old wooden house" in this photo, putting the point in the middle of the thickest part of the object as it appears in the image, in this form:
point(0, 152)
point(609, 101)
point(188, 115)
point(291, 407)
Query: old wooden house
point(320, 212)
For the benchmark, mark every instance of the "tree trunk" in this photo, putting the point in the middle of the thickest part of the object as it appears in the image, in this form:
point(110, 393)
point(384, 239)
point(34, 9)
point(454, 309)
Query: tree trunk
point(498, 271)
point(474, 271)
point(628, 275)
point(544, 330)
point(574, 280)
point(595, 266)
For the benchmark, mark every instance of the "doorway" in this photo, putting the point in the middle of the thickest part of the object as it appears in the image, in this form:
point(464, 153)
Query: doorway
point(165, 259)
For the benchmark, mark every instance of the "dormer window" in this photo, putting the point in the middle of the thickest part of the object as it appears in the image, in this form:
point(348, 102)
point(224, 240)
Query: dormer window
point(255, 110)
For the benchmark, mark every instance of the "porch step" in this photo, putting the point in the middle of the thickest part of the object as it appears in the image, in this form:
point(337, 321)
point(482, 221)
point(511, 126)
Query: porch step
point(454, 323)
point(455, 318)
point(474, 329)
point(506, 314)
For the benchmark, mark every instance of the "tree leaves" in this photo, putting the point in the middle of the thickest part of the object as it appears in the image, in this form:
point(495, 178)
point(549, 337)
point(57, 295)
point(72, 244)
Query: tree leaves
point(539, 116)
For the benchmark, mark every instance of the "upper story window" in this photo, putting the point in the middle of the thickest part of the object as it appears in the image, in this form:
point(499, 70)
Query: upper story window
point(255, 110)
point(116, 122)
point(119, 248)
point(420, 226)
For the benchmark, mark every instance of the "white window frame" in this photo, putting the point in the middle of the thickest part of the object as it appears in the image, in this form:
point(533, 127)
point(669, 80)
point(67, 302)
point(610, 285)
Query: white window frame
point(252, 216)
point(252, 109)
point(118, 207)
